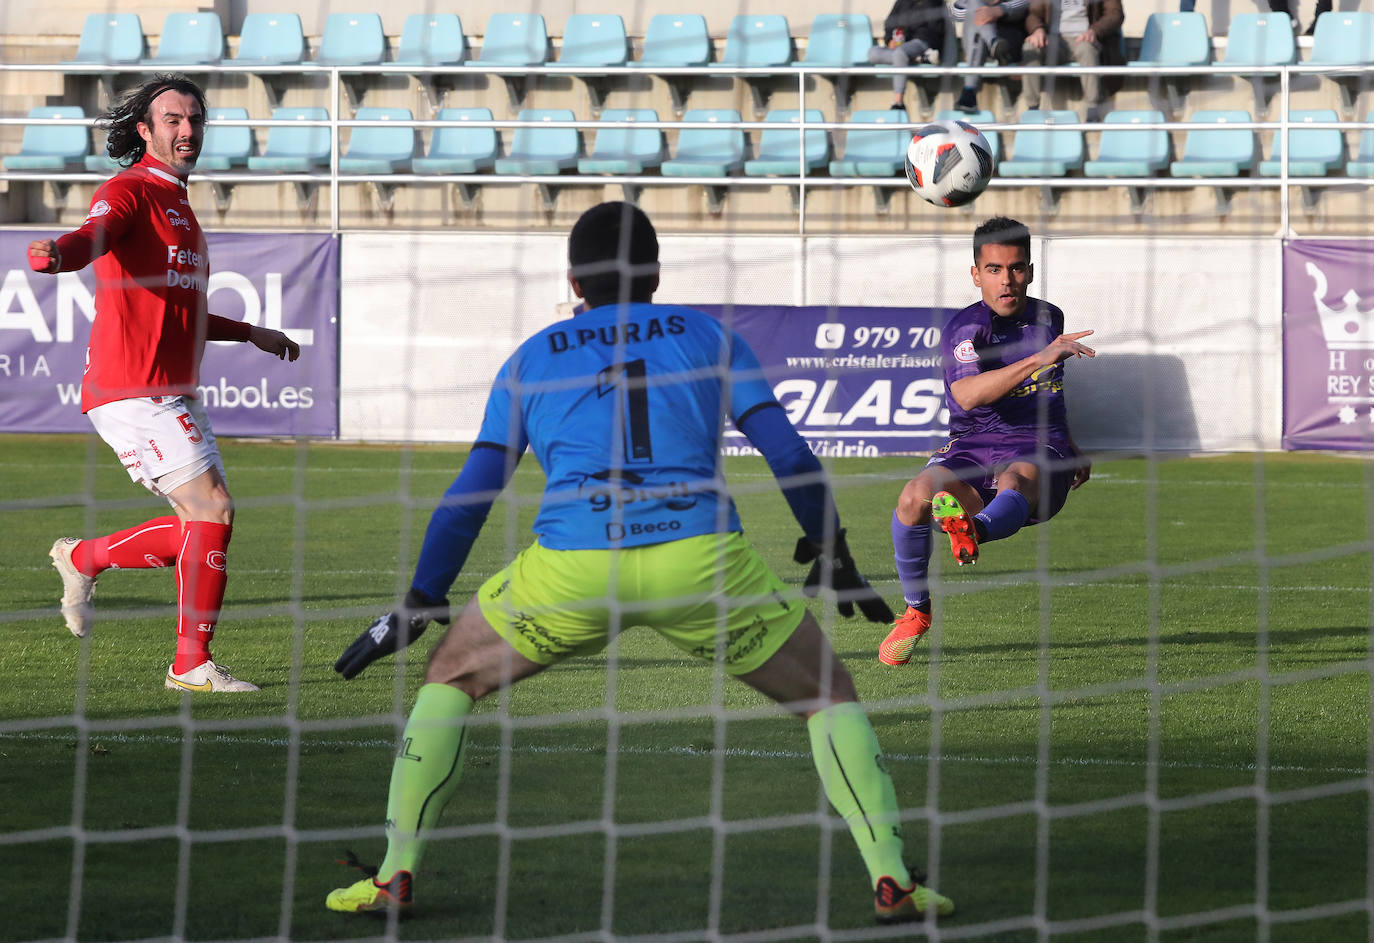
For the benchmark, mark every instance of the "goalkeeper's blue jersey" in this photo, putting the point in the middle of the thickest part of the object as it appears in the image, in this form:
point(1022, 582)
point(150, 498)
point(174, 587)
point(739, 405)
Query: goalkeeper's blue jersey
point(624, 406)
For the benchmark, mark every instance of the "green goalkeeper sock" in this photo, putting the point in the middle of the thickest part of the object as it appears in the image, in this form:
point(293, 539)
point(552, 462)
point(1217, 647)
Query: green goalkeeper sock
point(425, 774)
point(850, 764)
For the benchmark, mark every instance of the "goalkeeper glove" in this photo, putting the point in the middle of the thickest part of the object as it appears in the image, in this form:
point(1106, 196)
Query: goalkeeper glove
point(834, 569)
point(392, 631)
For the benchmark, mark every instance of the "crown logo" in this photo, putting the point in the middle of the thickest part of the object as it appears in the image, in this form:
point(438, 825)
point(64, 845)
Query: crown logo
point(1344, 327)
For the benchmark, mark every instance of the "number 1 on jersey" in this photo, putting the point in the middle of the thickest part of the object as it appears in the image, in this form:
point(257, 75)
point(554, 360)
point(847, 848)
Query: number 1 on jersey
point(630, 377)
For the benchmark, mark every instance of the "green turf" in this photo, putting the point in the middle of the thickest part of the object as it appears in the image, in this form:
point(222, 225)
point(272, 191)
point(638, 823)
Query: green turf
point(1157, 705)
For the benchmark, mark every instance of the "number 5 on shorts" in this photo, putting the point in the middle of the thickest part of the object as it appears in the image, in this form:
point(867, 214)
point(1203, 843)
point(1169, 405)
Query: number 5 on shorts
point(189, 426)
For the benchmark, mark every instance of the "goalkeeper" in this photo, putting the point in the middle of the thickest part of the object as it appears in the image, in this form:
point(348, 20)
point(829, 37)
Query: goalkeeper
point(623, 406)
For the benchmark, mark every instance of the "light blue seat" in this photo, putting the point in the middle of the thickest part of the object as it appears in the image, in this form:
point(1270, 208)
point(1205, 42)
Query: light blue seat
point(624, 150)
point(1048, 153)
point(870, 151)
point(1125, 153)
point(538, 150)
point(513, 39)
point(225, 147)
point(352, 39)
point(1312, 152)
point(271, 39)
point(757, 39)
point(1260, 39)
point(1363, 163)
point(978, 120)
point(432, 39)
point(378, 149)
point(294, 150)
point(52, 146)
point(594, 39)
point(1344, 37)
point(838, 39)
point(190, 39)
point(109, 39)
point(780, 149)
point(708, 152)
point(1221, 152)
point(455, 147)
point(1175, 39)
point(675, 39)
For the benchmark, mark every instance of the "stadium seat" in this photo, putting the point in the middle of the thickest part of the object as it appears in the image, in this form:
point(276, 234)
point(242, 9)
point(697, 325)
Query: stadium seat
point(109, 39)
point(52, 147)
point(838, 39)
point(1363, 163)
point(225, 147)
point(99, 162)
point(432, 39)
point(593, 39)
point(1312, 152)
point(1216, 152)
point(190, 39)
point(1344, 38)
point(1126, 153)
point(455, 149)
point(270, 39)
point(780, 151)
point(1044, 153)
point(624, 150)
point(708, 152)
point(1175, 39)
point(756, 39)
point(977, 119)
point(352, 39)
point(1260, 39)
point(873, 152)
point(294, 150)
point(539, 150)
point(513, 39)
point(377, 149)
point(674, 39)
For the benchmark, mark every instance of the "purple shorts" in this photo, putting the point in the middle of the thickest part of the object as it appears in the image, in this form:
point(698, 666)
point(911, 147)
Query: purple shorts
point(977, 459)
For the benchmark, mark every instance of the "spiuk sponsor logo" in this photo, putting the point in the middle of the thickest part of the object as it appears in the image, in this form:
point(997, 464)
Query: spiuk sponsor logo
point(216, 560)
point(177, 220)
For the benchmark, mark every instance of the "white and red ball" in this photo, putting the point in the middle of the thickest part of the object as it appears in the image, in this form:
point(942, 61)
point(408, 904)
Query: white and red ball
point(949, 163)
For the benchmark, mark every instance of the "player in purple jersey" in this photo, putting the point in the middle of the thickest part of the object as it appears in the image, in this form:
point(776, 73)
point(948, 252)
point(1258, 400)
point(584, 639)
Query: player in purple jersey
point(1010, 460)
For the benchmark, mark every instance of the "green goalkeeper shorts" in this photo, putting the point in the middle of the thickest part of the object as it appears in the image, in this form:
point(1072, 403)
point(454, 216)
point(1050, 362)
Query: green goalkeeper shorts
point(711, 596)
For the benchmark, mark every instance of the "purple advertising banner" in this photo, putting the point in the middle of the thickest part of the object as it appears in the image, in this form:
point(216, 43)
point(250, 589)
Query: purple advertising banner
point(1328, 344)
point(854, 381)
point(284, 281)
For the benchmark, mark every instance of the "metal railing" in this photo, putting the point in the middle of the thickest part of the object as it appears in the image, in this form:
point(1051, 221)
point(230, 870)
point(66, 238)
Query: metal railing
point(802, 180)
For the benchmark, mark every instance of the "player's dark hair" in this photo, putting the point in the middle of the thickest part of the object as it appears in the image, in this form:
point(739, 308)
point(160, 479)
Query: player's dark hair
point(613, 254)
point(1001, 231)
point(123, 142)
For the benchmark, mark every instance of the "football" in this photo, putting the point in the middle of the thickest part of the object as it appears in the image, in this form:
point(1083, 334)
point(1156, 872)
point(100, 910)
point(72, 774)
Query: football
point(949, 163)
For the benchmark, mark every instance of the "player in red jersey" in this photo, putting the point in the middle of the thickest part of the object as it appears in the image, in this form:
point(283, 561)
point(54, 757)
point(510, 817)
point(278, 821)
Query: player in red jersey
point(143, 365)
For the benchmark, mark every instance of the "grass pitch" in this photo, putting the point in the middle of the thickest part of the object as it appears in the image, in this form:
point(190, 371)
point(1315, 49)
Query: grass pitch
point(1147, 720)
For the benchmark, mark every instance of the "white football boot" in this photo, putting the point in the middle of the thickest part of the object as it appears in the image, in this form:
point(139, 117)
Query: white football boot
point(77, 588)
point(207, 677)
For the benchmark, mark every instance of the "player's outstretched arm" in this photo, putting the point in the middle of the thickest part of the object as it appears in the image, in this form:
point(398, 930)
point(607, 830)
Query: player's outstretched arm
point(274, 342)
point(986, 388)
point(803, 484)
point(453, 528)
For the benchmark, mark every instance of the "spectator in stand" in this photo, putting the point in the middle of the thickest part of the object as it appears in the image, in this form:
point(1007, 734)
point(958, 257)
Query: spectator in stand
point(1088, 31)
point(993, 30)
point(913, 32)
point(1278, 6)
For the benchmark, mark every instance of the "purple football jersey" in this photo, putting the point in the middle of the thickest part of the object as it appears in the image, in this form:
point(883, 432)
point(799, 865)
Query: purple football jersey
point(977, 340)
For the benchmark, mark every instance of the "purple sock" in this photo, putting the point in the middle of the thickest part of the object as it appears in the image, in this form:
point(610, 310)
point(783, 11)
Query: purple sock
point(1005, 515)
point(911, 550)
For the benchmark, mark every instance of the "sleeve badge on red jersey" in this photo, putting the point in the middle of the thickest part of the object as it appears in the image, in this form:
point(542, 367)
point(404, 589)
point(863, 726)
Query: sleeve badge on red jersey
point(99, 208)
point(965, 353)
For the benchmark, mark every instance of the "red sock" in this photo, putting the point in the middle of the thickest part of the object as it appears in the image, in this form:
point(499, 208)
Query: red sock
point(200, 590)
point(152, 543)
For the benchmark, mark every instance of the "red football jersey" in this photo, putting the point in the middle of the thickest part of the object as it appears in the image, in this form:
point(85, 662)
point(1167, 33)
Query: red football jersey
point(151, 272)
